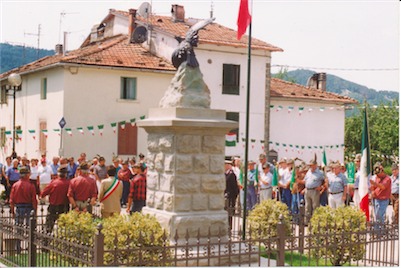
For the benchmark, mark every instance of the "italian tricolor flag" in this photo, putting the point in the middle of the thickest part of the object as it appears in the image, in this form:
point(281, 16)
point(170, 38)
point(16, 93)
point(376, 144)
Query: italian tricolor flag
point(231, 139)
point(365, 168)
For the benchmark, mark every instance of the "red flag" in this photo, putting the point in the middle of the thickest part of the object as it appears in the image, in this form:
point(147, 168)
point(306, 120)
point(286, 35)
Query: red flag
point(244, 18)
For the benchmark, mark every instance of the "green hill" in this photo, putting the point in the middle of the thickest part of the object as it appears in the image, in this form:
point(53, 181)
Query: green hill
point(341, 86)
point(12, 56)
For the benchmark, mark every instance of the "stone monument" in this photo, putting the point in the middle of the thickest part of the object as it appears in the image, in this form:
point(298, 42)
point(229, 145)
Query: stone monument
point(186, 150)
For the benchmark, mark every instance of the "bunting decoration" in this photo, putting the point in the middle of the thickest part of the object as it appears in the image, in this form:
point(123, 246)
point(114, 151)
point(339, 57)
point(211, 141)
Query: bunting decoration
point(57, 130)
point(100, 128)
point(142, 117)
point(44, 131)
point(32, 133)
point(19, 134)
point(69, 131)
point(300, 110)
point(132, 121)
point(114, 127)
point(91, 130)
point(81, 130)
point(9, 135)
point(122, 124)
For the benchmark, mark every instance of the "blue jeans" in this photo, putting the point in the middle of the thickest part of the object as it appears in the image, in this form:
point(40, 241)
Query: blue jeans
point(124, 197)
point(380, 209)
point(22, 214)
point(286, 198)
point(324, 199)
point(295, 202)
point(250, 197)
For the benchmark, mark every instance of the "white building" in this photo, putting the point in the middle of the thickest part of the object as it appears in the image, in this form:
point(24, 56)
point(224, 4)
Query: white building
point(110, 80)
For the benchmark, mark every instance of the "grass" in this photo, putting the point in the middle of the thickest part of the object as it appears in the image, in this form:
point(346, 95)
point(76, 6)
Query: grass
point(42, 260)
point(297, 259)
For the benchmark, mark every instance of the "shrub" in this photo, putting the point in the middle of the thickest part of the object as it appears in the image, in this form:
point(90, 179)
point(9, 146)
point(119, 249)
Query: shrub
point(264, 218)
point(134, 240)
point(338, 234)
point(140, 235)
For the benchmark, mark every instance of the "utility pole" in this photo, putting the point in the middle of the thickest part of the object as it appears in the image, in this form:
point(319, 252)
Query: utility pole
point(38, 35)
point(62, 15)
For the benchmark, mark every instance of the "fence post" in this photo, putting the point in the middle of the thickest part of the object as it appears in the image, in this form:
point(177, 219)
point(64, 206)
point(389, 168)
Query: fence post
point(99, 247)
point(280, 241)
point(301, 227)
point(31, 243)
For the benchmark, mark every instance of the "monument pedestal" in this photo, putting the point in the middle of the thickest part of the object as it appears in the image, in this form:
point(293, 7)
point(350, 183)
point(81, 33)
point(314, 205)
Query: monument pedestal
point(185, 178)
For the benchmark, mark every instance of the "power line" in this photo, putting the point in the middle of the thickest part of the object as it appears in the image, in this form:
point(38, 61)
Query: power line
point(336, 69)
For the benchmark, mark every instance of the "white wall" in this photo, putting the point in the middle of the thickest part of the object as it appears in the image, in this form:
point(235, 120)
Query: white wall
point(311, 128)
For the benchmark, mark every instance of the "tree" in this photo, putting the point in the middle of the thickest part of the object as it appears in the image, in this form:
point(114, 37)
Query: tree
point(383, 131)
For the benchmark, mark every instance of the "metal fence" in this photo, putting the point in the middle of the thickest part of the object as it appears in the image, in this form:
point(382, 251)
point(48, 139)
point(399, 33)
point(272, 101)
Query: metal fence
point(298, 245)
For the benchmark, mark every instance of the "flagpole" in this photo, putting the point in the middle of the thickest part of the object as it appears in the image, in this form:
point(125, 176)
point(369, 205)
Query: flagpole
point(248, 91)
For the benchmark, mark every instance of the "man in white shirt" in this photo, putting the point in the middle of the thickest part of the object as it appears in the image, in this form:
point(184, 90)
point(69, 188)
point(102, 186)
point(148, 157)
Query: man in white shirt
point(45, 173)
point(265, 183)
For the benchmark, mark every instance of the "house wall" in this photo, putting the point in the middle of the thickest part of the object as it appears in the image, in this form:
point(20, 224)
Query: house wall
point(311, 128)
point(91, 98)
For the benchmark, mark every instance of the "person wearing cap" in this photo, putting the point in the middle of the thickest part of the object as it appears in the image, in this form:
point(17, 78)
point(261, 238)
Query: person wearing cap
point(125, 175)
point(252, 186)
point(239, 174)
point(314, 181)
point(262, 161)
point(58, 201)
point(12, 176)
point(395, 188)
point(82, 192)
point(23, 200)
point(284, 183)
point(298, 188)
point(231, 191)
point(337, 183)
point(110, 193)
point(265, 183)
point(137, 192)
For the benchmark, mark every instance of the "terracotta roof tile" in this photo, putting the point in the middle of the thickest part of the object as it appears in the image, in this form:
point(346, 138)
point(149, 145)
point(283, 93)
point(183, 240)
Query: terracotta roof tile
point(284, 89)
point(212, 34)
point(114, 51)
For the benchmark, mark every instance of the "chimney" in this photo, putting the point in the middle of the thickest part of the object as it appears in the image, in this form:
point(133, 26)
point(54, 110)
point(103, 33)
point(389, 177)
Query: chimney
point(178, 13)
point(131, 23)
point(321, 81)
point(317, 81)
point(59, 49)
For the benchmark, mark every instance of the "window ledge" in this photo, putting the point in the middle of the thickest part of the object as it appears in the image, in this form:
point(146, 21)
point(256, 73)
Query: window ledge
point(127, 101)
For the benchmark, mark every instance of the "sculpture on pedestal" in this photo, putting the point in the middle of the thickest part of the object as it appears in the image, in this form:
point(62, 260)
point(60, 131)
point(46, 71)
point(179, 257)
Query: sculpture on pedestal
point(187, 89)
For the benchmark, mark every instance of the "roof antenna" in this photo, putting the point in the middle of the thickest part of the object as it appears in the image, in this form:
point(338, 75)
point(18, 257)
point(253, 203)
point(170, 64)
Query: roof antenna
point(211, 9)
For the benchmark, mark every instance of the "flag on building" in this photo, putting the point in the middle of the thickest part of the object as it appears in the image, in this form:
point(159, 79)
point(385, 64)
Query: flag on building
point(132, 121)
point(365, 167)
point(9, 135)
point(122, 124)
point(57, 130)
point(19, 134)
point(244, 18)
point(231, 139)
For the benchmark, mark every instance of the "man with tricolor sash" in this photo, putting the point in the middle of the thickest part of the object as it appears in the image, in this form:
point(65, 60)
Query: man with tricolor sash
point(110, 193)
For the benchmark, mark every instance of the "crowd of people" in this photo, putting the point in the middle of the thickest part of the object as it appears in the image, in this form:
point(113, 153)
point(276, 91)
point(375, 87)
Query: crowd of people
point(334, 185)
point(66, 184)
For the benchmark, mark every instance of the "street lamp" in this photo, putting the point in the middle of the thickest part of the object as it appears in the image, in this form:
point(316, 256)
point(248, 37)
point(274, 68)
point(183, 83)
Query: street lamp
point(14, 81)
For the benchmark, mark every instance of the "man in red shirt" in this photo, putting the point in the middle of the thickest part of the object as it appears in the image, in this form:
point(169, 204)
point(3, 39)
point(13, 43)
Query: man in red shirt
point(137, 193)
point(23, 197)
point(125, 175)
point(82, 192)
point(380, 185)
point(57, 191)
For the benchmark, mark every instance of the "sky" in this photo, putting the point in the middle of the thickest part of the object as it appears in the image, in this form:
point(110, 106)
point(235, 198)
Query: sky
point(356, 40)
